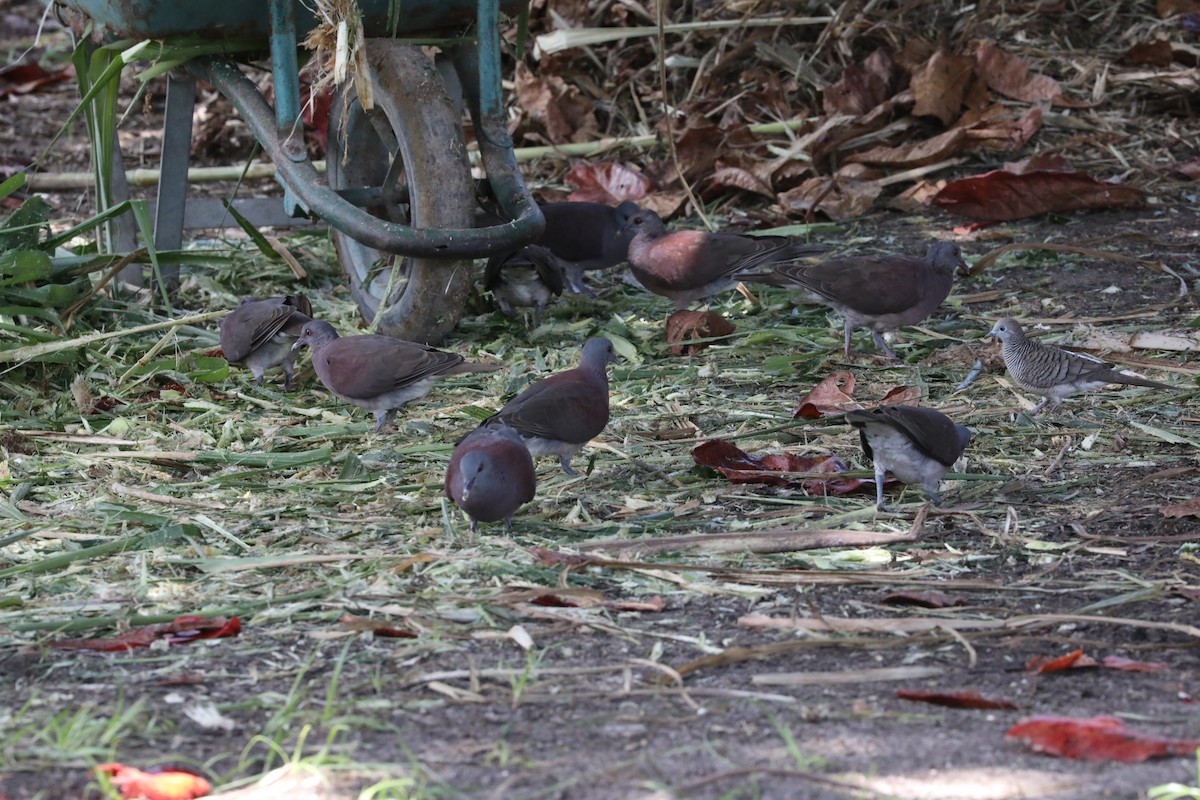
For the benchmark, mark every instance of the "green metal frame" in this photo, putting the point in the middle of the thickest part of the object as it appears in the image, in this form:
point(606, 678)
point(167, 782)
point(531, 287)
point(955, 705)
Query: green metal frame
point(476, 59)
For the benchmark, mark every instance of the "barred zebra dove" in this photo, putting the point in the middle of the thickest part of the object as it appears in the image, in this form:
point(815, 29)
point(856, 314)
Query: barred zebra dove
point(916, 445)
point(1053, 372)
point(379, 373)
point(882, 293)
point(558, 415)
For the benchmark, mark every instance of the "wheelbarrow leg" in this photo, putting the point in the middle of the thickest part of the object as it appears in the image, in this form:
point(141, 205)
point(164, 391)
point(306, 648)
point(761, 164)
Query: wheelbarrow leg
point(173, 185)
point(122, 231)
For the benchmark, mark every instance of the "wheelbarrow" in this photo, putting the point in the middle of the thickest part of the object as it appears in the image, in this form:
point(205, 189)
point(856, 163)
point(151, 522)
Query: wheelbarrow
point(398, 190)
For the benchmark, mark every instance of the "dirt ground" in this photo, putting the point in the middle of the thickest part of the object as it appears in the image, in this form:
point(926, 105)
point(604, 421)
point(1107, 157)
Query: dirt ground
point(1056, 543)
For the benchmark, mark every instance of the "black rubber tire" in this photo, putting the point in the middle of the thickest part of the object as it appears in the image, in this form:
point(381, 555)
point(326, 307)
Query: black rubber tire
point(415, 118)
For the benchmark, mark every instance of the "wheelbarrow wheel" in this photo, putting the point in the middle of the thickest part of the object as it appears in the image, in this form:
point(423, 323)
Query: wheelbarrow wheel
point(411, 144)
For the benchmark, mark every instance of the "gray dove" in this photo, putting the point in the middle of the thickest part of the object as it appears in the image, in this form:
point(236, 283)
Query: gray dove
point(916, 445)
point(1053, 372)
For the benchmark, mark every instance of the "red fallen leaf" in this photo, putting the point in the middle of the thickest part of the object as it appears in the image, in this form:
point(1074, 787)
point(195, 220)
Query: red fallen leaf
point(683, 326)
point(901, 395)
point(1002, 196)
point(316, 116)
point(741, 467)
point(1073, 660)
point(1149, 54)
point(940, 84)
point(728, 177)
point(140, 637)
point(562, 111)
point(915, 154)
point(193, 628)
point(831, 396)
point(654, 604)
point(839, 198)
point(606, 182)
point(547, 558)
point(1171, 8)
point(1096, 739)
point(181, 630)
point(996, 128)
point(376, 626)
point(1028, 125)
point(697, 146)
point(1131, 665)
point(1189, 169)
point(1010, 75)
point(1188, 508)
point(104, 404)
point(27, 78)
point(953, 699)
point(924, 599)
point(863, 85)
point(216, 352)
point(554, 601)
point(168, 785)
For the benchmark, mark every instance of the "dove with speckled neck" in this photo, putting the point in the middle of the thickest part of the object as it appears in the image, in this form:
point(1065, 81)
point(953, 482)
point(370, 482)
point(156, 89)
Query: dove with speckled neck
point(1055, 373)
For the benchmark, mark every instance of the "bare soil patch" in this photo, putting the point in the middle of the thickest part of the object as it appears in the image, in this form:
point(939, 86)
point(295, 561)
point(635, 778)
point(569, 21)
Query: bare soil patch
point(1056, 536)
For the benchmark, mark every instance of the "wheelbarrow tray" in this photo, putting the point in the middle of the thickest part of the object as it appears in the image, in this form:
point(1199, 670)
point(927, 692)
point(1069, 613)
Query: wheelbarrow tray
point(414, 132)
point(161, 19)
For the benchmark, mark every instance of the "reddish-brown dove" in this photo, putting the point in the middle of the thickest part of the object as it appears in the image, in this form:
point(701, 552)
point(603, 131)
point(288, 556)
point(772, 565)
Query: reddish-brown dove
point(916, 445)
point(687, 265)
point(1055, 373)
point(526, 278)
point(379, 373)
point(560, 414)
point(491, 474)
point(259, 334)
point(882, 293)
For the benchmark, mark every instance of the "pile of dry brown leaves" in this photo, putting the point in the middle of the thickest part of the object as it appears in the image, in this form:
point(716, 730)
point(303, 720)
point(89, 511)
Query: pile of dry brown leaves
point(862, 104)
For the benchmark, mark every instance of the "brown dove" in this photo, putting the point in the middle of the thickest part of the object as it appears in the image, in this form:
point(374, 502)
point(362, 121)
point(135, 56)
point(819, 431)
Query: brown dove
point(379, 373)
point(491, 474)
point(586, 236)
point(558, 415)
point(259, 334)
point(882, 293)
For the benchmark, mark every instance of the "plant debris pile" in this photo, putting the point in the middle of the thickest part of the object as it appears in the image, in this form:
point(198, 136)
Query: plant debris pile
point(865, 107)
